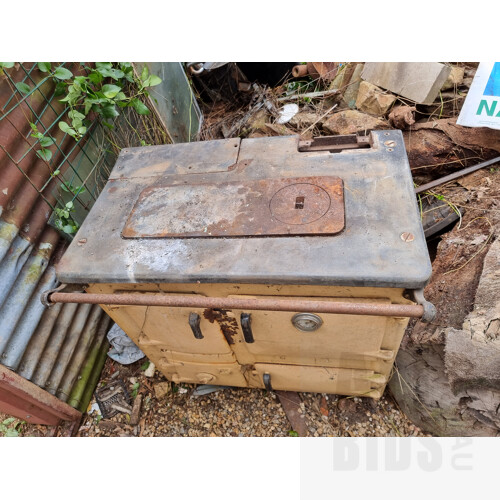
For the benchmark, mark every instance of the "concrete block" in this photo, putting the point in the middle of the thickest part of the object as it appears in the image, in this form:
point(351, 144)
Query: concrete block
point(418, 81)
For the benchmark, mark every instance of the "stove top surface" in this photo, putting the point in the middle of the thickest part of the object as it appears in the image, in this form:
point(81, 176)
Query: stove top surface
point(255, 211)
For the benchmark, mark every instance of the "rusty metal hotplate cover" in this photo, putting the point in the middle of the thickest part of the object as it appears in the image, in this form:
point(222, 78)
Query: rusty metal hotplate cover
point(264, 207)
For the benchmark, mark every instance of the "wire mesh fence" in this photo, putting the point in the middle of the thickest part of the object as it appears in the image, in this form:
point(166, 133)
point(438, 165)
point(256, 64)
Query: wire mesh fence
point(67, 174)
point(73, 171)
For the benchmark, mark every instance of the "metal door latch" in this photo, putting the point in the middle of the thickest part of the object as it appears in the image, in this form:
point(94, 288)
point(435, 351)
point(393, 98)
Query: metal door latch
point(246, 320)
point(194, 323)
point(267, 382)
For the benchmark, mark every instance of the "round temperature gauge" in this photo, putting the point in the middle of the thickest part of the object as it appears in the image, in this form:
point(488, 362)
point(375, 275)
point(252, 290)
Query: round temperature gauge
point(306, 322)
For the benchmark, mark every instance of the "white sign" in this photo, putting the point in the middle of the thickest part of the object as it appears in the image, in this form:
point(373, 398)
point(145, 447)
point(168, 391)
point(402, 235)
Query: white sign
point(482, 104)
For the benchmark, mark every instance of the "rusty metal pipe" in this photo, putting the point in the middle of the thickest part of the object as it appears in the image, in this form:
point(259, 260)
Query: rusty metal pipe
point(456, 175)
point(132, 299)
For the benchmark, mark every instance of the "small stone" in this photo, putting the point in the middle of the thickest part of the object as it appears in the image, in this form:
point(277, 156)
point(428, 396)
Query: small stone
point(161, 389)
point(373, 100)
point(323, 407)
point(275, 129)
point(402, 116)
point(346, 405)
point(351, 122)
point(305, 119)
point(150, 371)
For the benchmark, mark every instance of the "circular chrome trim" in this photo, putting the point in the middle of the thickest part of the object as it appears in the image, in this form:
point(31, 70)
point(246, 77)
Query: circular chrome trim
point(297, 318)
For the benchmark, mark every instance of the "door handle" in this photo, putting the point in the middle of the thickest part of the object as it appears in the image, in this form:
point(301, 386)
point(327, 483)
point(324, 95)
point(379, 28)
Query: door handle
point(194, 323)
point(246, 320)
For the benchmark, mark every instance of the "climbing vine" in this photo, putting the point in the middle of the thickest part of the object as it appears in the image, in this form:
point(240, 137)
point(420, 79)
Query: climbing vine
point(97, 91)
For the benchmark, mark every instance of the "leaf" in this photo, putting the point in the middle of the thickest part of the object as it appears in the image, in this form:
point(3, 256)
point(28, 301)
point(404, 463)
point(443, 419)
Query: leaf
point(120, 96)
point(44, 67)
point(88, 106)
point(76, 123)
point(23, 87)
point(95, 77)
point(145, 365)
point(144, 74)
point(45, 142)
point(6, 65)
point(9, 421)
point(140, 107)
point(11, 433)
point(44, 154)
point(64, 126)
point(116, 74)
point(67, 129)
point(110, 91)
point(153, 80)
point(62, 73)
point(55, 173)
point(103, 65)
point(60, 88)
point(82, 130)
point(70, 205)
point(109, 111)
point(68, 229)
point(81, 80)
point(76, 115)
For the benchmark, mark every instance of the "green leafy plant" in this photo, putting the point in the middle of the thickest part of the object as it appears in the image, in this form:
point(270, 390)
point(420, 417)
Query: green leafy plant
point(94, 93)
point(5, 65)
point(45, 142)
point(145, 366)
point(9, 430)
point(293, 433)
point(64, 220)
point(68, 187)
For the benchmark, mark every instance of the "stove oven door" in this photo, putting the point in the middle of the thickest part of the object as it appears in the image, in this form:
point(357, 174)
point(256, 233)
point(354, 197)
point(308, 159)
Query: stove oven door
point(334, 340)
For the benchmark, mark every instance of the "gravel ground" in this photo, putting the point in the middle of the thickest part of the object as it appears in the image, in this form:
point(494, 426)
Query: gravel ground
point(240, 412)
point(172, 410)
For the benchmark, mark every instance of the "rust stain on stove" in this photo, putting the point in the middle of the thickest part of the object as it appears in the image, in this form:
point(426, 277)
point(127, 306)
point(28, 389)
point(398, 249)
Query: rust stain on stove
point(228, 325)
point(246, 208)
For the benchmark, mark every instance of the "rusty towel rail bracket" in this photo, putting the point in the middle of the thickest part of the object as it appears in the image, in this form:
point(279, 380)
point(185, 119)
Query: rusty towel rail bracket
point(136, 299)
